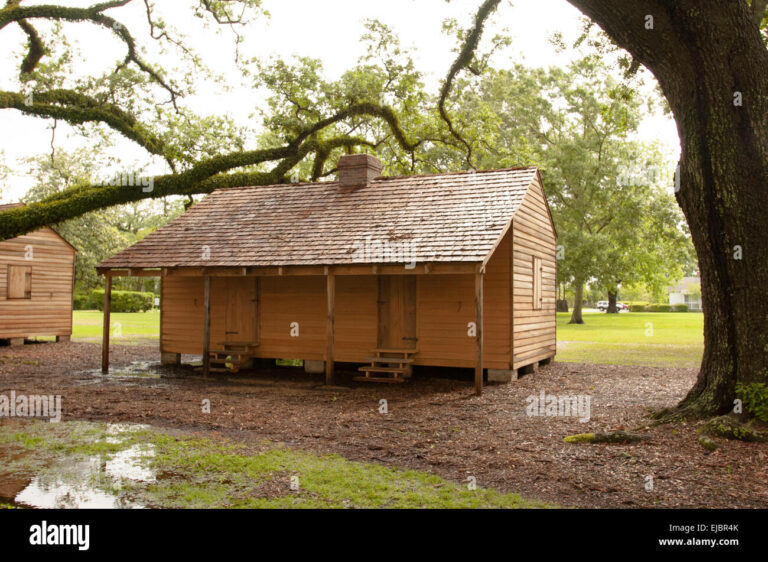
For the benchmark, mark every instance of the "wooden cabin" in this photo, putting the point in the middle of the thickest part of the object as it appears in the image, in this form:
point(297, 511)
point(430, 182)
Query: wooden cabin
point(37, 276)
point(450, 270)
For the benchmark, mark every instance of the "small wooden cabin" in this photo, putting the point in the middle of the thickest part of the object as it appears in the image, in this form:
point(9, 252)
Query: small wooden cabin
point(451, 270)
point(37, 276)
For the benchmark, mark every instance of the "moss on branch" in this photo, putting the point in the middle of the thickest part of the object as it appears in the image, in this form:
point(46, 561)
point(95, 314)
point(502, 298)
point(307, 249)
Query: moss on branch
point(205, 177)
point(76, 108)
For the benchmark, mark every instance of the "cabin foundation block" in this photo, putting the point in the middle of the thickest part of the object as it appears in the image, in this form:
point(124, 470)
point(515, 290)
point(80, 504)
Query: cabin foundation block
point(62, 339)
point(167, 358)
point(502, 375)
point(16, 341)
point(529, 369)
point(314, 366)
point(545, 362)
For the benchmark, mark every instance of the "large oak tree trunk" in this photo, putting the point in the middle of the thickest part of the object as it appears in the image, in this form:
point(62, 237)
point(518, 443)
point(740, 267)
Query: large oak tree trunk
point(712, 65)
point(612, 302)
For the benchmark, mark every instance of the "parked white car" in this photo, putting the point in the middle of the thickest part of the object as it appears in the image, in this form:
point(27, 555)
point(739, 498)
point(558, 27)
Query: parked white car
point(602, 306)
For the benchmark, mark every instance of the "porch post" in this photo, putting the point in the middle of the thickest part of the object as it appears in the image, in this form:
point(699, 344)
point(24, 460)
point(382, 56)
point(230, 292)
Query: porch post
point(207, 326)
point(331, 288)
point(479, 332)
point(106, 320)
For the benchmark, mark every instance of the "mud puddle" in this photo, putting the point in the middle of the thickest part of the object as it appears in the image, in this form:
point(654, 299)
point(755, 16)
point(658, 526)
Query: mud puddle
point(84, 481)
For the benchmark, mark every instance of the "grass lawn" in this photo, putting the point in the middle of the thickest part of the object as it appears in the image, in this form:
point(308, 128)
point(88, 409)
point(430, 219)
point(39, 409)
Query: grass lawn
point(664, 339)
point(87, 325)
point(139, 466)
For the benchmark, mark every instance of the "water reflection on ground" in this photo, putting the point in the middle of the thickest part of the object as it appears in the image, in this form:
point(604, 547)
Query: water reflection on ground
point(90, 482)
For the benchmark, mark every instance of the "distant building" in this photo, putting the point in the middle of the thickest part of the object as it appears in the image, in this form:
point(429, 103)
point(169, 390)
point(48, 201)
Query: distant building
point(687, 291)
point(37, 273)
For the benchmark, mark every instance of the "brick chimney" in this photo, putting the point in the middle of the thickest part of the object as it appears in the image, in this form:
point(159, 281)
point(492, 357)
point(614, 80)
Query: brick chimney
point(357, 170)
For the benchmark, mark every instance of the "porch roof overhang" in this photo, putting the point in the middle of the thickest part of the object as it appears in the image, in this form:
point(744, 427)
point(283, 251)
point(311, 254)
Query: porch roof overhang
point(428, 268)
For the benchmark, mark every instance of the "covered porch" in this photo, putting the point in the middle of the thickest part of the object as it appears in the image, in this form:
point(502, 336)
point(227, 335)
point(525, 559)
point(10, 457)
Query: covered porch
point(390, 316)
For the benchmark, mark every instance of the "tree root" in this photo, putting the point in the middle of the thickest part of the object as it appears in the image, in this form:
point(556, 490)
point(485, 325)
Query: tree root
point(690, 409)
point(618, 437)
point(677, 414)
point(730, 427)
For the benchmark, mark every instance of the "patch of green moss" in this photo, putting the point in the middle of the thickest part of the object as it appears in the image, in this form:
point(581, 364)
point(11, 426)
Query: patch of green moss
point(580, 438)
point(707, 443)
point(728, 427)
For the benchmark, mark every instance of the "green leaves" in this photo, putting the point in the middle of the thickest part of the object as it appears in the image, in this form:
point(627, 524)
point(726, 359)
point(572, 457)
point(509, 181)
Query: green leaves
point(607, 193)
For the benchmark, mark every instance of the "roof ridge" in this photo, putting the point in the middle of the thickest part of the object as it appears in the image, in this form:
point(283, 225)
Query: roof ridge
point(460, 173)
point(381, 178)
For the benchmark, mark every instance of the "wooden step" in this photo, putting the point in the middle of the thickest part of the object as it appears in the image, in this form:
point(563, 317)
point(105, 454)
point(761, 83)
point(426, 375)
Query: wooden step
point(226, 362)
point(379, 379)
point(389, 360)
point(374, 369)
point(400, 351)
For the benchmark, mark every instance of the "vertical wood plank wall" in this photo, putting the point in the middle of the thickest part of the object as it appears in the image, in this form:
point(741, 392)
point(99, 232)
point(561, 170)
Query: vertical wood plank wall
point(49, 310)
point(356, 321)
point(534, 237)
point(288, 300)
point(182, 314)
point(446, 306)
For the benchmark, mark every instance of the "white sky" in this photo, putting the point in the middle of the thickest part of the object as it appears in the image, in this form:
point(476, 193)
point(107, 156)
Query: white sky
point(324, 29)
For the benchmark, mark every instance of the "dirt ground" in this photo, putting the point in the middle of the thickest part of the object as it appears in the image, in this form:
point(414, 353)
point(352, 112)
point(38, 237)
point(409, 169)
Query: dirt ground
point(434, 423)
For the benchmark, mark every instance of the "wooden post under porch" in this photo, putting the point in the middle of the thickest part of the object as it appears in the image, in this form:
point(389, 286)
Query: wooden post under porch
point(207, 326)
point(479, 331)
point(106, 320)
point(331, 292)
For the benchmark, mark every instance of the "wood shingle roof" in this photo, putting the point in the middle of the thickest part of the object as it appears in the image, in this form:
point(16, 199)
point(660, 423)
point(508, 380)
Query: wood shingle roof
point(457, 217)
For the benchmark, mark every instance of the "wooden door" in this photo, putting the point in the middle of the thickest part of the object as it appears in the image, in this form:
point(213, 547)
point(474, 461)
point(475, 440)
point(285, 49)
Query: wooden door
point(397, 312)
point(241, 315)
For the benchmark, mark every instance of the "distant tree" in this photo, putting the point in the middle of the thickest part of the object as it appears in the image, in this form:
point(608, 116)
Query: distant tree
point(99, 234)
point(615, 221)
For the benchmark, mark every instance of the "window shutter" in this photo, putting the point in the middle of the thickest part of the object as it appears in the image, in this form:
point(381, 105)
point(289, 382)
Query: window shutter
point(19, 282)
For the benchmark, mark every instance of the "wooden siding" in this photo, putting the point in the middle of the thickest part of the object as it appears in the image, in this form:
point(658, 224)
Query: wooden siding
point(48, 311)
point(182, 315)
point(356, 318)
point(446, 306)
point(534, 242)
point(289, 300)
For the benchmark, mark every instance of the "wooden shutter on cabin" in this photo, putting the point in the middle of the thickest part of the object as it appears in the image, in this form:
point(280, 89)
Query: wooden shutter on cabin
point(537, 283)
point(19, 282)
